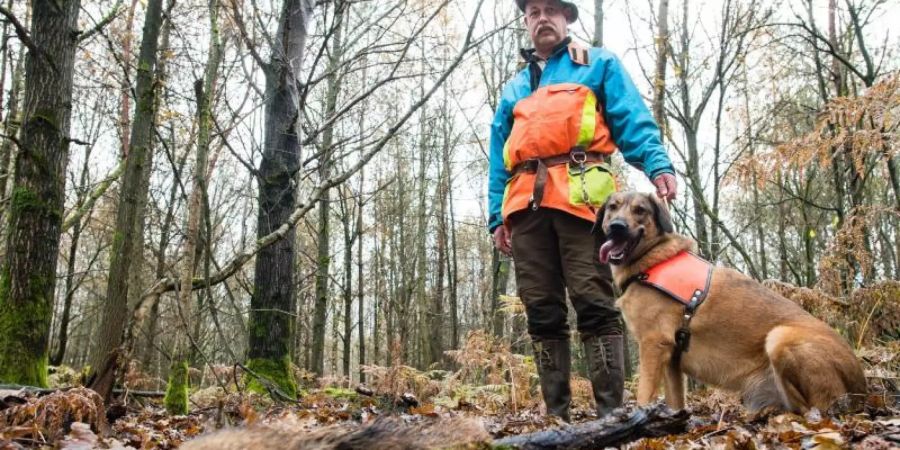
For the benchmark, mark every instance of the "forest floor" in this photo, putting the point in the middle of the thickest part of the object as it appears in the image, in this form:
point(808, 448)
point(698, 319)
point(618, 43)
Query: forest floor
point(76, 418)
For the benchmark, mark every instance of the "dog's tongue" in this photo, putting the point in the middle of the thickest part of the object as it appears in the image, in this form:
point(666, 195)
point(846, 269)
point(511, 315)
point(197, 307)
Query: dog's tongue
point(604, 251)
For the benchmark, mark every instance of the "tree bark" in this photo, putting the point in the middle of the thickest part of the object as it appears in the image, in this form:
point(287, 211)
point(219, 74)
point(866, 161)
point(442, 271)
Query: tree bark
point(500, 266)
point(598, 24)
point(176, 400)
point(11, 125)
point(359, 274)
point(28, 273)
point(662, 59)
point(349, 237)
point(271, 327)
point(70, 286)
point(323, 259)
point(437, 317)
point(129, 217)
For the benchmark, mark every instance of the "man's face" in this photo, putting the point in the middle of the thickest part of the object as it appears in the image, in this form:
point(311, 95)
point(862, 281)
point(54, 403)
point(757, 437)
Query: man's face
point(546, 23)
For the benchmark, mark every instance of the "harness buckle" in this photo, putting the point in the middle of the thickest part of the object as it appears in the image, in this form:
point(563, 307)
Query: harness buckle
point(683, 339)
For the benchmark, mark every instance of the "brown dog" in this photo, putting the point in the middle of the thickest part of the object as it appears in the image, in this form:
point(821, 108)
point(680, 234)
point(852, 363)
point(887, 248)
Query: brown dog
point(744, 337)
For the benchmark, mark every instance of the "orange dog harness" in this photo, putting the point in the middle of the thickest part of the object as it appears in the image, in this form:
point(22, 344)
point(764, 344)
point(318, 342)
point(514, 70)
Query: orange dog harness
point(685, 278)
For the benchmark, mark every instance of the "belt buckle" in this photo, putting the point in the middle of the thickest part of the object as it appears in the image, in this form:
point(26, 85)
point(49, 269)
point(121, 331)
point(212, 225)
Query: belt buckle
point(578, 155)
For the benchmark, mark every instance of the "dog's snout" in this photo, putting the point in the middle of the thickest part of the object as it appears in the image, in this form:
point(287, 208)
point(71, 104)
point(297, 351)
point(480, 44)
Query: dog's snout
point(617, 227)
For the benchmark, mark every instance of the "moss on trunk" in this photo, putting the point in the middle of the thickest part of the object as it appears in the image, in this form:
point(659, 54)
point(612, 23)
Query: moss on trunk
point(176, 400)
point(23, 332)
point(277, 371)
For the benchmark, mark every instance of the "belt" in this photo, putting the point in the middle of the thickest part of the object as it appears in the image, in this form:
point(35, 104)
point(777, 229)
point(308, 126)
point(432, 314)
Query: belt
point(539, 166)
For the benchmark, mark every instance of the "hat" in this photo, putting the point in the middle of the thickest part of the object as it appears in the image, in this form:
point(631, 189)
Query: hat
point(571, 18)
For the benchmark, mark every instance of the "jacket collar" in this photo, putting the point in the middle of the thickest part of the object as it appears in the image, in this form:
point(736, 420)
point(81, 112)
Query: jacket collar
point(529, 56)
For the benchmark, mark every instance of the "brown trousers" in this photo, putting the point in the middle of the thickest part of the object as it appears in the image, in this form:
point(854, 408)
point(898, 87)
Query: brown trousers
point(554, 252)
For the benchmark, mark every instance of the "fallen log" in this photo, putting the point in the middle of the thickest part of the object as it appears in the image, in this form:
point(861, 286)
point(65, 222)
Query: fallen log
point(614, 430)
point(18, 389)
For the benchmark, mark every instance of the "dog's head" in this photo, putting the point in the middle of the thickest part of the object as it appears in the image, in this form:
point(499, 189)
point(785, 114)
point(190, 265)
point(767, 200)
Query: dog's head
point(629, 224)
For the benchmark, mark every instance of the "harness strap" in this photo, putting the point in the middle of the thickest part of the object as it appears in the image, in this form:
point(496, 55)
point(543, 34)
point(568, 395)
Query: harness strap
point(684, 278)
point(539, 166)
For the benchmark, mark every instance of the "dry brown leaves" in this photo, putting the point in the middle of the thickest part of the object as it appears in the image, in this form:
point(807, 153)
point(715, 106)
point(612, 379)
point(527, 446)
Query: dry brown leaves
point(44, 419)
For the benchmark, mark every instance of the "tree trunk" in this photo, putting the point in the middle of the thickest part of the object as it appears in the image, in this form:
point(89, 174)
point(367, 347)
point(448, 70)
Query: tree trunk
point(28, 274)
point(324, 247)
point(598, 24)
point(273, 295)
point(349, 237)
point(69, 286)
point(436, 309)
point(68, 295)
point(11, 128)
point(176, 399)
point(380, 280)
point(359, 274)
point(423, 156)
point(453, 270)
point(164, 237)
point(662, 59)
point(124, 124)
point(323, 259)
point(500, 271)
point(129, 217)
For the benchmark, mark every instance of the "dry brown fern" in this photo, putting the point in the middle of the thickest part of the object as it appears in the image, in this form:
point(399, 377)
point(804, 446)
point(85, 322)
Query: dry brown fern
point(877, 313)
point(830, 309)
point(47, 417)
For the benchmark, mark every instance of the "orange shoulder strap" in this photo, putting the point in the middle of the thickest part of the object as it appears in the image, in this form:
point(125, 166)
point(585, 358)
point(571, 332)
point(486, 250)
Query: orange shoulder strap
point(579, 54)
point(684, 277)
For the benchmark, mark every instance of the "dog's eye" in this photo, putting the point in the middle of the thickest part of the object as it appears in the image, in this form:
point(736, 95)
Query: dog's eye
point(639, 210)
point(612, 206)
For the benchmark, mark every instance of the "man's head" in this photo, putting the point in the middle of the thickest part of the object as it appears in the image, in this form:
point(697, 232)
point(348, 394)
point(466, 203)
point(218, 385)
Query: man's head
point(547, 22)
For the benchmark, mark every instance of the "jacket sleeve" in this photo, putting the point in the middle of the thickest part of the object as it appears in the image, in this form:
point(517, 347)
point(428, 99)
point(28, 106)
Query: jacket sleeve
point(632, 126)
point(497, 174)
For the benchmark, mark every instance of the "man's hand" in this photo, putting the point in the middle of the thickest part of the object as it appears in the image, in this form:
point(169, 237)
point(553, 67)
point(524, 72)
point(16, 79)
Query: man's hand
point(502, 240)
point(666, 187)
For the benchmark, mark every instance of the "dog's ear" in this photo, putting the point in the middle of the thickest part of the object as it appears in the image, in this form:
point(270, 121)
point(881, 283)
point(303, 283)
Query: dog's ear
point(597, 229)
point(661, 214)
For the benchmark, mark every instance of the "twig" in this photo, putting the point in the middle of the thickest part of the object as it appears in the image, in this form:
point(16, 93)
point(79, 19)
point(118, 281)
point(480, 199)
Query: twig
point(102, 23)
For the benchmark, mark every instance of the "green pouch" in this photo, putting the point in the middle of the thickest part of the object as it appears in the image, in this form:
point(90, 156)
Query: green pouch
point(594, 187)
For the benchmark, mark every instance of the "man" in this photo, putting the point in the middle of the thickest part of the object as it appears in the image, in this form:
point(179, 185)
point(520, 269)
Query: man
point(556, 124)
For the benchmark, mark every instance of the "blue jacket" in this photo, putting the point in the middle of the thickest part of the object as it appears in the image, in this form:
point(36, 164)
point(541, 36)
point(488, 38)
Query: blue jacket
point(632, 126)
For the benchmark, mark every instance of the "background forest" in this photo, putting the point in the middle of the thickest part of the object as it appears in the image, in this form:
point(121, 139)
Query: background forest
point(296, 190)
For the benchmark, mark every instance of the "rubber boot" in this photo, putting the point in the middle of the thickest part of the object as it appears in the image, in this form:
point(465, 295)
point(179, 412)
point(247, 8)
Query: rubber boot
point(606, 370)
point(553, 361)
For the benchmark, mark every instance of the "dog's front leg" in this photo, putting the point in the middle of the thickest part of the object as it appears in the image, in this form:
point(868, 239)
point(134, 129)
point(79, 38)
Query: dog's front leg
point(674, 384)
point(654, 355)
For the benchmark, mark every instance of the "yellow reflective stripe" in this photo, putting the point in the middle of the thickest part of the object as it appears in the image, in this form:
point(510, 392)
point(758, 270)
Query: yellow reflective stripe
point(506, 156)
point(588, 121)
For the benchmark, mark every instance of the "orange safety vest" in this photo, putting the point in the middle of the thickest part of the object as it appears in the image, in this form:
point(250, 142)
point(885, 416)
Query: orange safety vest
point(685, 278)
point(552, 121)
